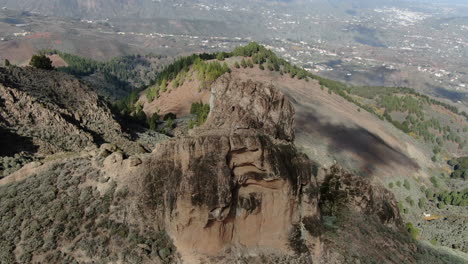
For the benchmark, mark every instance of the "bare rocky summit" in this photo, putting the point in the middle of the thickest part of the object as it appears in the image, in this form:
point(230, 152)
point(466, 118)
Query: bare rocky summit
point(240, 171)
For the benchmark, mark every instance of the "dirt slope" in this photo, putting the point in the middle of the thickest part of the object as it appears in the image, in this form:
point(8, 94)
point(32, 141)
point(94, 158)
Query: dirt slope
point(176, 100)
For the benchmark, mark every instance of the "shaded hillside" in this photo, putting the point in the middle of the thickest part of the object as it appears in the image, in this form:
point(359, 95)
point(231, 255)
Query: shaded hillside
point(45, 112)
point(115, 78)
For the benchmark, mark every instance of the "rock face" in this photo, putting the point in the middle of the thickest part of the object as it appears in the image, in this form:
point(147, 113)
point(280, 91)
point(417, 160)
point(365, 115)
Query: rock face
point(236, 182)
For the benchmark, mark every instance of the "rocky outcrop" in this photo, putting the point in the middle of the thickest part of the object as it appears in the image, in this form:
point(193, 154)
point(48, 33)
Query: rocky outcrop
point(54, 112)
point(235, 182)
point(342, 189)
point(237, 186)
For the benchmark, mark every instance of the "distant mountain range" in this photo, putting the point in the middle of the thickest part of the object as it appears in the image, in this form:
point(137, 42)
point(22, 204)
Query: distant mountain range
point(160, 8)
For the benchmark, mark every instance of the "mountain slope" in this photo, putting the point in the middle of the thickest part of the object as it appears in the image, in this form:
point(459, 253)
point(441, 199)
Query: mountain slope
point(46, 112)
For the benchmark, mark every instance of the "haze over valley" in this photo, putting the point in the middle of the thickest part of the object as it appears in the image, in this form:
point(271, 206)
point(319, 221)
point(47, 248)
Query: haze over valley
point(245, 131)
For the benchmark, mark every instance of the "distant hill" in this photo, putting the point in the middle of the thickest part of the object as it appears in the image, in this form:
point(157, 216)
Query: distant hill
point(163, 8)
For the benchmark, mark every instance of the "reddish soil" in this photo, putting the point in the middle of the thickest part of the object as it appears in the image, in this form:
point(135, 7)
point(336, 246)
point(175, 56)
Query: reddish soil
point(39, 35)
point(176, 100)
point(57, 61)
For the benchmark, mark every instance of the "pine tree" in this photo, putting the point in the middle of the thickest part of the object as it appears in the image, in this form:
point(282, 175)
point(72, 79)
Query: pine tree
point(41, 62)
point(7, 63)
point(163, 85)
point(153, 121)
point(220, 56)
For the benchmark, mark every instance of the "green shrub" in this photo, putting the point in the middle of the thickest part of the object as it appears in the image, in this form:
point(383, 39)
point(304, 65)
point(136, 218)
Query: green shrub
point(390, 185)
point(407, 185)
point(460, 167)
point(400, 206)
point(435, 182)
point(170, 123)
point(422, 203)
point(410, 201)
point(169, 116)
point(413, 231)
point(153, 121)
point(41, 62)
point(201, 112)
point(220, 56)
point(429, 194)
point(243, 63)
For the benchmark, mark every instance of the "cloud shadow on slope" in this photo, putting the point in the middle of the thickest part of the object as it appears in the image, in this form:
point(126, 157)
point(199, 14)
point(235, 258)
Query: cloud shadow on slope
point(370, 148)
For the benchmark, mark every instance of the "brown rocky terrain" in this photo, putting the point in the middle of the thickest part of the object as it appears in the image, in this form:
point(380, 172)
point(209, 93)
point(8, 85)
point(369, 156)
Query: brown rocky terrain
point(235, 189)
point(56, 111)
point(46, 112)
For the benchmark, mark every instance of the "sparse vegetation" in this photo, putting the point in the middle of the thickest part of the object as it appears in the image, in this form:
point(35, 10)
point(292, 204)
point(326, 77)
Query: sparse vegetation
point(53, 210)
point(178, 71)
point(120, 71)
point(410, 201)
point(388, 100)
